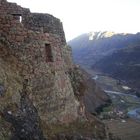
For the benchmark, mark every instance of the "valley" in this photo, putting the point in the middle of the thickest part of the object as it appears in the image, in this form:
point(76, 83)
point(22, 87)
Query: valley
point(122, 117)
point(114, 54)
point(112, 60)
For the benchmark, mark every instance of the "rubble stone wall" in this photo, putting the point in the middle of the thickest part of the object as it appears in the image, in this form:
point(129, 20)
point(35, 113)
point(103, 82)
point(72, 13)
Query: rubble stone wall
point(23, 45)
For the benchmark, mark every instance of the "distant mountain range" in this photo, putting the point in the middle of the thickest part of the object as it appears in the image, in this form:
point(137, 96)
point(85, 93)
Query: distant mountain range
point(115, 54)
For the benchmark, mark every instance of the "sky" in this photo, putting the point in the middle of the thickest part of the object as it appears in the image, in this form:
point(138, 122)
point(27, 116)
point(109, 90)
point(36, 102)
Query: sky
point(83, 16)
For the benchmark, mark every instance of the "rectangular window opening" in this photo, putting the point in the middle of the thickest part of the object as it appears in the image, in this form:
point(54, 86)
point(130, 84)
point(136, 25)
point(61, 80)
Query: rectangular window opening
point(49, 55)
point(17, 17)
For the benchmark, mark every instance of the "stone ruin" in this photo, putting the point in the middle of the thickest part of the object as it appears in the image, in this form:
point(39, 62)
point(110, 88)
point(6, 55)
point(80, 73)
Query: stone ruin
point(33, 48)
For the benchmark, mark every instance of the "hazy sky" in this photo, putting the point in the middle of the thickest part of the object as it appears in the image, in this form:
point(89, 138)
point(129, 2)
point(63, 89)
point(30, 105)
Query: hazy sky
point(80, 16)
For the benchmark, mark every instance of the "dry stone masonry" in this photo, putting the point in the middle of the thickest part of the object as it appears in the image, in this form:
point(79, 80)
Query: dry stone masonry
point(33, 48)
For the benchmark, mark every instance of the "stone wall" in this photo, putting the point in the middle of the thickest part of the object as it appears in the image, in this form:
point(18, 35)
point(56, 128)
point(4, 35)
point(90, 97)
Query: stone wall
point(23, 56)
point(45, 22)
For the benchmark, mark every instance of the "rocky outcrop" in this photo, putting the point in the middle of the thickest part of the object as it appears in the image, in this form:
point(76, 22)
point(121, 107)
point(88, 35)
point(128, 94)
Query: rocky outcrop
point(25, 120)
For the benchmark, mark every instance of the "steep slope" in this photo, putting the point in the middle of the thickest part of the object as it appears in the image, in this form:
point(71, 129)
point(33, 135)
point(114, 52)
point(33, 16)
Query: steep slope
point(89, 48)
point(123, 64)
point(88, 93)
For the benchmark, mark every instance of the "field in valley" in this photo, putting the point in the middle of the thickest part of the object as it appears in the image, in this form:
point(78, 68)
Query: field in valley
point(129, 130)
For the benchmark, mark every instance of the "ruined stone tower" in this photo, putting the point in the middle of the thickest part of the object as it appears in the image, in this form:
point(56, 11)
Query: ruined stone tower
point(33, 48)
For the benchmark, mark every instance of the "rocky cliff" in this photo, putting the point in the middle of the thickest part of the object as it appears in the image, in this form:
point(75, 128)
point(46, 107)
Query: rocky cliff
point(33, 50)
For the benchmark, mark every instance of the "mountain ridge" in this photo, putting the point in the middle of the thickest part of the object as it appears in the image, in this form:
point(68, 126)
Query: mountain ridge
point(91, 49)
